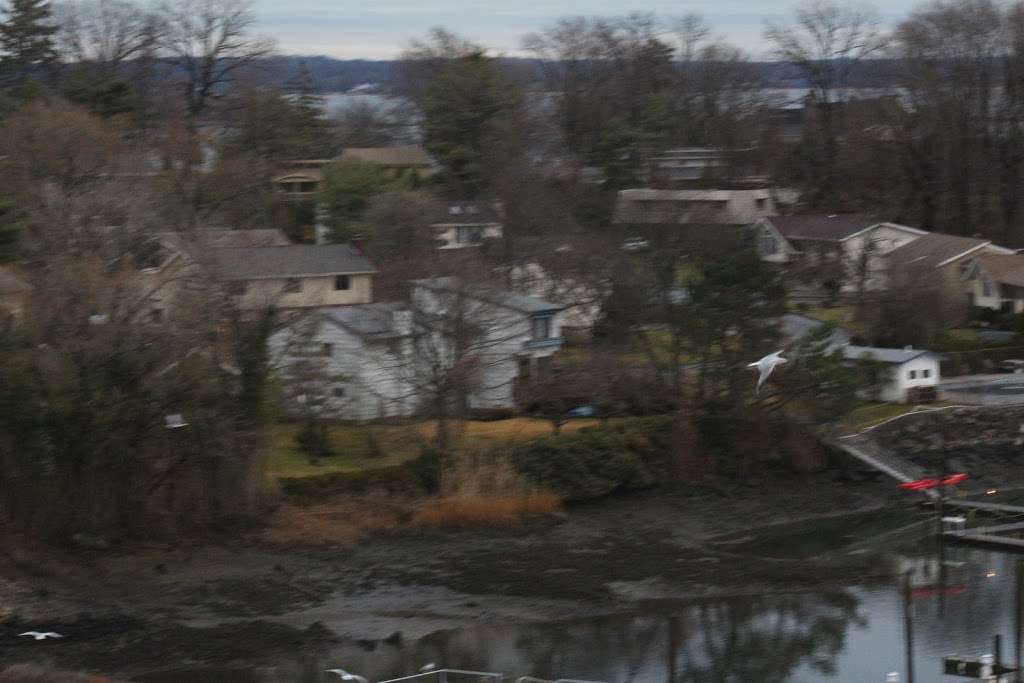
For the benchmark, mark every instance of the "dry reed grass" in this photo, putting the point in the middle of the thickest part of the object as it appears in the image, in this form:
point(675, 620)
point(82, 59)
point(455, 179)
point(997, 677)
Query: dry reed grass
point(337, 523)
point(463, 512)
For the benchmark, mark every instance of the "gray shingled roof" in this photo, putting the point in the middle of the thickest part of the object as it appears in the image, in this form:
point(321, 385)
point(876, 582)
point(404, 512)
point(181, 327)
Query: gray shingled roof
point(895, 356)
point(513, 300)
point(11, 283)
point(370, 321)
point(297, 260)
point(794, 326)
point(934, 249)
point(821, 227)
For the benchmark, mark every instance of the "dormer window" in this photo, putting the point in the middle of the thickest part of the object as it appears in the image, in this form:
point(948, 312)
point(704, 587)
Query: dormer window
point(292, 285)
point(455, 210)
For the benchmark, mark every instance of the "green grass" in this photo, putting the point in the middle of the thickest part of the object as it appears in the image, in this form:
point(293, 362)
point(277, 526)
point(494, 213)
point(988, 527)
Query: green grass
point(397, 443)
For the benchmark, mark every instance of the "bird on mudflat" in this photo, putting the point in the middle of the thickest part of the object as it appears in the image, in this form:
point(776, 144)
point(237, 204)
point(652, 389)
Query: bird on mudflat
point(40, 635)
point(346, 676)
point(766, 366)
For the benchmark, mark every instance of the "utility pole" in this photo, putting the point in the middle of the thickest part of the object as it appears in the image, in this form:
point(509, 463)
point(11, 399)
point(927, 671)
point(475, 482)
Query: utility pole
point(908, 627)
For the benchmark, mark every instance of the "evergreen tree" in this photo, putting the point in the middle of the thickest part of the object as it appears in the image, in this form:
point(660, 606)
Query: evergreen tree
point(26, 38)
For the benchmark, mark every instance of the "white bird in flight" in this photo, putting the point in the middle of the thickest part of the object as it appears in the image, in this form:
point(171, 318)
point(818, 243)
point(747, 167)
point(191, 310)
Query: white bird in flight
point(346, 676)
point(40, 635)
point(766, 366)
point(428, 667)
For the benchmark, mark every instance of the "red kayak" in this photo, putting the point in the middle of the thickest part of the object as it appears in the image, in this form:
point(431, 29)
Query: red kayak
point(932, 483)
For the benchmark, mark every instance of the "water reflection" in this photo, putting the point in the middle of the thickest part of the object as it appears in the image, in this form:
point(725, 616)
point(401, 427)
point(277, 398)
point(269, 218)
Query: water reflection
point(847, 636)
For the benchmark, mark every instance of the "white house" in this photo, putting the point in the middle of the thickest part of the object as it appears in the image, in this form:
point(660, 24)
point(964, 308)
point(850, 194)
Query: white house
point(707, 207)
point(512, 337)
point(854, 241)
point(365, 352)
point(909, 369)
point(386, 360)
point(464, 224)
point(996, 281)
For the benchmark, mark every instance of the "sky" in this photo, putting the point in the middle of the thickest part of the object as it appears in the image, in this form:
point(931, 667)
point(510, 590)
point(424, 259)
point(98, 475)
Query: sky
point(379, 29)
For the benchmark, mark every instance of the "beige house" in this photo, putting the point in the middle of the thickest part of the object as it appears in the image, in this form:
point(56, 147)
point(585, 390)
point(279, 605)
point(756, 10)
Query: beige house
point(295, 276)
point(462, 224)
point(397, 160)
point(257, 267)
point(952, 259)
point(14, 292)
point(996, 281)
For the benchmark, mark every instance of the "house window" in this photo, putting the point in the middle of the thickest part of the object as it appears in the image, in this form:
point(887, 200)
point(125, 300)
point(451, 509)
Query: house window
point(469, 235)
point(986, 287)
point(544, 366)
point(541, 327)
point(307, 188)
point(342, 283)
point(761, 203)
point(292, 285)
point(339, 392)
point(524, 367)
point(913, 374)
point(926, 374)
point(455, 210)
point(327, 349)
point(769, 245)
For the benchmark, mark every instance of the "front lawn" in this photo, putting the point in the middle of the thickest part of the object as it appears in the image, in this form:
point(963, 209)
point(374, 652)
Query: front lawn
point(396, 444)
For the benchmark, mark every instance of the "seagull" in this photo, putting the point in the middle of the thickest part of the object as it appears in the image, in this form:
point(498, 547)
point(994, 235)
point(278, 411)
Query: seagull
point(40, 635)
point(766, 366)
point(346, 676)
point(428, 667)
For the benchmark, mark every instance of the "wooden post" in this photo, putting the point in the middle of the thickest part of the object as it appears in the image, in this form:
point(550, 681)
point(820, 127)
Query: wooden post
point(1017, 622)
point(908, 627)
point(997, 651)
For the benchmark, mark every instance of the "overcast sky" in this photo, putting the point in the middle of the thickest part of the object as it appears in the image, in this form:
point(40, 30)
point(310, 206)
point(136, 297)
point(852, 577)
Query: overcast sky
point(378, 29)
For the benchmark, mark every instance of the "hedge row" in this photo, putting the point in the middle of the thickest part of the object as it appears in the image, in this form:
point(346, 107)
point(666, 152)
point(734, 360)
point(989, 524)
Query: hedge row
point(593, 462)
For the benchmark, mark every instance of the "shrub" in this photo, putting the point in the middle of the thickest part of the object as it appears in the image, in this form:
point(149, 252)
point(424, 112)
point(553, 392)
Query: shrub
point(398, 479)
point(314, 440)
point(426, 467)
point(461, 512)
point(596, 461)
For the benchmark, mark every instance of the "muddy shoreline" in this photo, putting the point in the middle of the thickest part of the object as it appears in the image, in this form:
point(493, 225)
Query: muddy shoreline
point(239, 599)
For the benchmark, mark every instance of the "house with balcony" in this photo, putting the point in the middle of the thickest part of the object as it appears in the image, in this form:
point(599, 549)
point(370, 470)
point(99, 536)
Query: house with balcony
point(462, 224)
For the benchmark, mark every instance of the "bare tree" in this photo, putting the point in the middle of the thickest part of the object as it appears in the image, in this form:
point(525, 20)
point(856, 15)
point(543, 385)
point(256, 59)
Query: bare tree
point(827, 43)
point(105, 33)
point(208, 43)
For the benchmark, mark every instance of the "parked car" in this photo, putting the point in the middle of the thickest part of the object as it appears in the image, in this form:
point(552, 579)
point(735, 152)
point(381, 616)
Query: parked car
point(1013, 366)
point(635, 244)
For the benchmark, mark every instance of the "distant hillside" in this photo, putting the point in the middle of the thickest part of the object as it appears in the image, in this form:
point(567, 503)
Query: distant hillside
point(340, 75)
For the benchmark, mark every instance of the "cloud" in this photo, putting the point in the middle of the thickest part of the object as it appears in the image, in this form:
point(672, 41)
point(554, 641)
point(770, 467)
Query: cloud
point(379, 29)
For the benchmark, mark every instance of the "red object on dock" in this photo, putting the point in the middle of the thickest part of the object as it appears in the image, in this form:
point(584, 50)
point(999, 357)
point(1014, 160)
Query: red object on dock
point(931, 483)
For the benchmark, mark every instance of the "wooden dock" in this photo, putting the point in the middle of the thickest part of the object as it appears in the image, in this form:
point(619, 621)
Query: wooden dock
point(1001, 537)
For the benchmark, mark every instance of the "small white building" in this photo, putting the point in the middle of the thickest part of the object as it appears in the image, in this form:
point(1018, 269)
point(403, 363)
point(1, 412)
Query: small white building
point(909, 369)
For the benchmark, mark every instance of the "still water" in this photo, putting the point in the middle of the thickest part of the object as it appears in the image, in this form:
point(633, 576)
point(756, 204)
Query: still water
point(852, 635)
